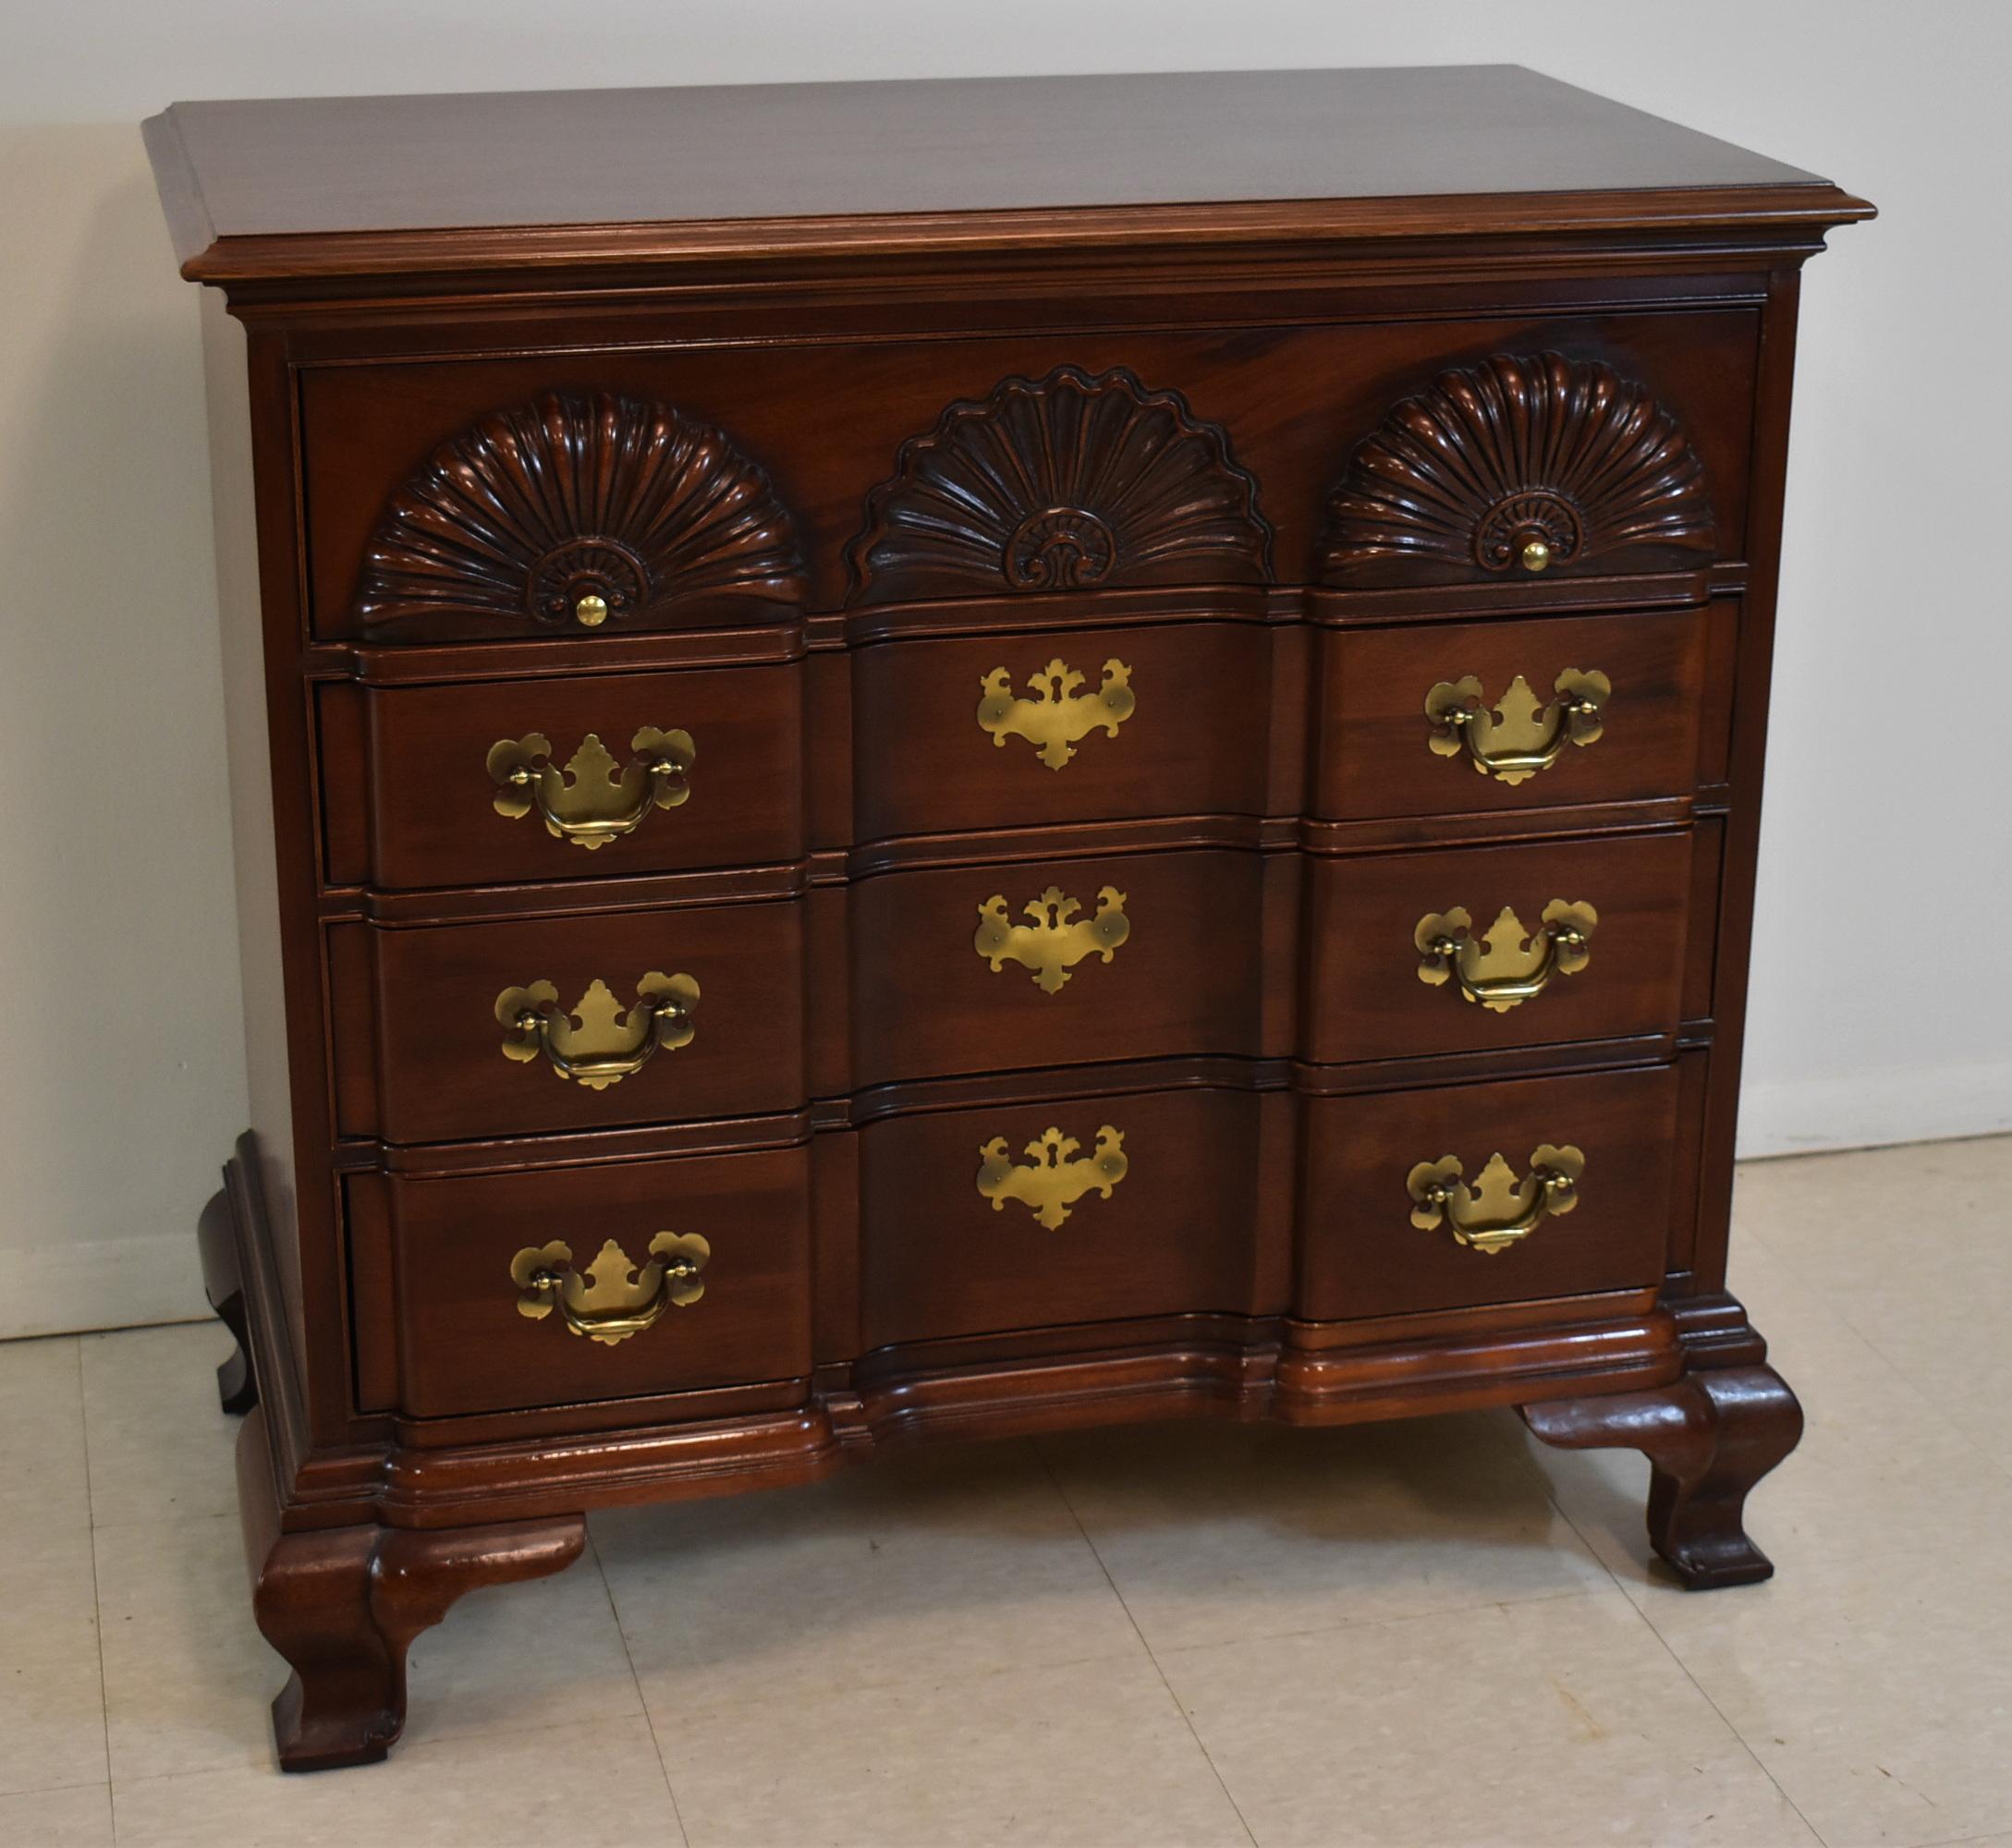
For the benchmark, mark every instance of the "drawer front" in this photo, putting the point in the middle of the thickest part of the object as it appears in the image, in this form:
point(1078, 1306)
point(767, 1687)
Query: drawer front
point(1594, 948)
point(1030, 963)
point(728, 479)
point(1165, 718)
point(966, 1232)
point(1366, 1249)
point(463, 1284)
point(444, 1072)
point(565, 778)
point(1382, 755)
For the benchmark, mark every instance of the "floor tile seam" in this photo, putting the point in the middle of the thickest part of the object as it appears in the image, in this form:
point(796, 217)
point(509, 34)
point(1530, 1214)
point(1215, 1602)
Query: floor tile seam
point(1636, 1604)
point(1999, 1466)
point(1465, 1608)
point(1745, 1744)
point(97, 1600)
point(642, 1700)
point(161, 1522)
point(1832, 1303)
point(829, 1691)
point(1187, 1719)
point(8, 1793)
point(263, 1762)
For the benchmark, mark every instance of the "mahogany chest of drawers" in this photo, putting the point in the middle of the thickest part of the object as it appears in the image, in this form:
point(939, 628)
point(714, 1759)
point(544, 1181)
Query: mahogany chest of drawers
point(959, 758)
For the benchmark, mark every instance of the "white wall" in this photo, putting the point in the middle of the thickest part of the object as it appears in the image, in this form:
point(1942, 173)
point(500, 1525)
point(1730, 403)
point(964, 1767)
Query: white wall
point(1876, 1015)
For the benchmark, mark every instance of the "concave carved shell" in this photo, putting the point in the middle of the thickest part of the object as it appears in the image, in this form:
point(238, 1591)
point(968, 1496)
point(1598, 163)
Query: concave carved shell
point(1067, 483)
point(571, 496)
point(1564, 452)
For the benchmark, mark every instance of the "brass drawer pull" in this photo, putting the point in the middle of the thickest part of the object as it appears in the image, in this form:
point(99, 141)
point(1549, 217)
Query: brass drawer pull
point(1498, 1210)
point(613, 1301)
point(1507, 966)
point(597, 1045)
point(1517, 738)
point(1057, 715)
point(593, 800)
point(1057, 1179)
point(1056, 939)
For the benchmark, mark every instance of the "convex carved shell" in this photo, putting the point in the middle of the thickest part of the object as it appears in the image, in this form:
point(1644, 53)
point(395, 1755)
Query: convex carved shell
point(574, 497)
point(1063, 484)
point(1563, 453)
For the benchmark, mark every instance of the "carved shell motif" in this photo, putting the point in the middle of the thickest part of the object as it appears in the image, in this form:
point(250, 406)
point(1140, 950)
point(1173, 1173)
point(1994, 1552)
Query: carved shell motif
point(1563, 453)
point(573, 497)
point(1063, 484)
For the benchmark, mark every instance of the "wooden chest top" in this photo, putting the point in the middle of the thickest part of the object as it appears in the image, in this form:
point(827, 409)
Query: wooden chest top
point(372, 185)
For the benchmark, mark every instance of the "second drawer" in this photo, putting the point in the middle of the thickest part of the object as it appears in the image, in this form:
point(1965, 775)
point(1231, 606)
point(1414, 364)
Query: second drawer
point(1540, 943)
point(1056, 963)
point(533, 1025)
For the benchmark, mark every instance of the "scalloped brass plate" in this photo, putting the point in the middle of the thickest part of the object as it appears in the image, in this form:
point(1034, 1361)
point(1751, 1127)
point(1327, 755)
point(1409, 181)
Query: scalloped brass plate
point(1058, 716)
point(597, 1045)
point(613, 1299)
point(1058, 1178)
point(594, 799)
point(1520, 735)
point(1498, 1211)
point(1056, 939)
point(1509, 965)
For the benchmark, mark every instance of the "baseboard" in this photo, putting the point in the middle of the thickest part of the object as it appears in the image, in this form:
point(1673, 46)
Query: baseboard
point(109, 1282)
point(1872, 1110)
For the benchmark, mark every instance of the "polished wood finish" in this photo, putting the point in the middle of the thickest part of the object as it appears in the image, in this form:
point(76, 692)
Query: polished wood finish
point(1070, 485)
point(701, 167)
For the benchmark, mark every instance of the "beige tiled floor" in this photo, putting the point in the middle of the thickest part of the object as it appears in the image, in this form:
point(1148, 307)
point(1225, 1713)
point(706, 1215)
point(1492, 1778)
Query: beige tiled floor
point(1424, 1634)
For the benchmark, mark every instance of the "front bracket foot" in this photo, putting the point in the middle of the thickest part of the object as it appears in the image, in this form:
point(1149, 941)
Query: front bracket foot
point(1709, 1435)
point(344, 1604)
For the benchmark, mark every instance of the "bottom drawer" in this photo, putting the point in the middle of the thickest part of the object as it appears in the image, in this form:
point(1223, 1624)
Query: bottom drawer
point(977, 1220)
point(1377, 1241)
point(465, 1249)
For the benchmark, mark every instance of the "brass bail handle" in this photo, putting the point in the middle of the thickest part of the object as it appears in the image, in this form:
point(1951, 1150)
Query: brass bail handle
point(597, 1045)
point(613, 1299)
point(1519, 735)
point(593, 799)
point(1497, 1211)
point(1507, 966)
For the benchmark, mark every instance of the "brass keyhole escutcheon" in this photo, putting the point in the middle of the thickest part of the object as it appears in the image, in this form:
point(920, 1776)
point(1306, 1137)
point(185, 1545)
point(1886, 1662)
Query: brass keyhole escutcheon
point(1057, 1176)
point(1059, 714)
point(1055, 939)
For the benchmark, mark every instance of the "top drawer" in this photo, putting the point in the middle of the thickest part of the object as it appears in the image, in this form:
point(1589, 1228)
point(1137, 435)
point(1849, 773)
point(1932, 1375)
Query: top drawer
point(622, 486)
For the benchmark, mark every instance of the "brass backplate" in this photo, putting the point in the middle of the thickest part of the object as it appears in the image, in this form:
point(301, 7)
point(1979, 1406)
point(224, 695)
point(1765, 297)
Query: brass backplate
point(1059, 714)
point(1058, 1176)
point(1055, 939)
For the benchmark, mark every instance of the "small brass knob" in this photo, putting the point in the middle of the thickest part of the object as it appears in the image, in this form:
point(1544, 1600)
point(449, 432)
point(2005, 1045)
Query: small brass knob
point(1536, 556)
point(594, 611)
